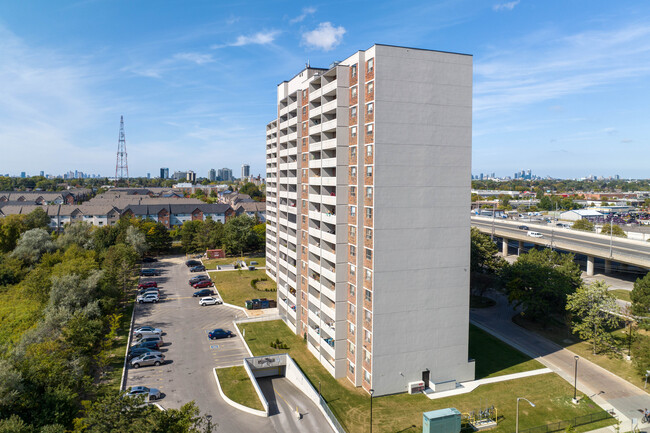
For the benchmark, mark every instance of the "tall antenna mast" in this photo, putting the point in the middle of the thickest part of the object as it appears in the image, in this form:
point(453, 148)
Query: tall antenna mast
point(122, 166)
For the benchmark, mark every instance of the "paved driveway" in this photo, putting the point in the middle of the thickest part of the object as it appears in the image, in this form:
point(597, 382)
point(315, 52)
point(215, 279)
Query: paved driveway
point(190, 356)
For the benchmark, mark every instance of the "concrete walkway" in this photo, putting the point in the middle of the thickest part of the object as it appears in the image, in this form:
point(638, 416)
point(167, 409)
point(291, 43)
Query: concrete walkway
point(606, 389)
point(466, 387)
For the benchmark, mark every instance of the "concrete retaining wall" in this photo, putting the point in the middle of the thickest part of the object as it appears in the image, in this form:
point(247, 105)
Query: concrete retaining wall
point(241, 406)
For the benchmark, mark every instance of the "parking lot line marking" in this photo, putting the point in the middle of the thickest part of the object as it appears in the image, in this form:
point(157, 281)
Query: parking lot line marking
point(214, 346)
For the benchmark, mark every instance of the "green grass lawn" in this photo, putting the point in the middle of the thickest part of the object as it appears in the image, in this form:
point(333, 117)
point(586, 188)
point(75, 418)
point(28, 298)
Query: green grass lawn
point(212, 263)
point(238, 387)
point(18, 313)
point(623, 295)
point(403, 412)
point(235, 286)
point(560, 334)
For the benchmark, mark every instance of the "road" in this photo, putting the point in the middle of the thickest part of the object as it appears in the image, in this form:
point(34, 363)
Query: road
point(623, 250)
point(605, 388)
point(190, 355)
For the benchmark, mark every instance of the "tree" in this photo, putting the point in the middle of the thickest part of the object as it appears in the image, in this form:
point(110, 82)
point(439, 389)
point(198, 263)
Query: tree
point(618, 231)
point(583, 224)
point(158, 238)
point(11, 227)
point(32, 245)
point(239, 235)
point(640, 296)
point(80, 233)
point(483, 253)
point(546, 203)
point(252, 190)
point(120, 264)
point(594, 309)
point(37, 218)
point(137, 240)
point(539, 282)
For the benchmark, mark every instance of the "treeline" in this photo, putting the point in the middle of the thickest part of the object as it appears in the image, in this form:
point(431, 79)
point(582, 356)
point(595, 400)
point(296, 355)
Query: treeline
point(238, 235)
point(563, 185)
point(547, 286)
point(68, 293)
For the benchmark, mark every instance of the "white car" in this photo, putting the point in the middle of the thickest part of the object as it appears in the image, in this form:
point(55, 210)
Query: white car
point(210, 300)
point(535, 234)
point(151, 297)
point(146, 331)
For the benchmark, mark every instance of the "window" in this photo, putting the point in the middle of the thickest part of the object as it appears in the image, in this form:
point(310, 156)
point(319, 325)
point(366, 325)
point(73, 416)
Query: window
point(304, 250)
point(369, 108)
point(353, 231)
point(366, 336)
point(371, 65)
point(368, 275)
point(304, 93)
point(304, 219)
point(353, 191)
point(369, 129)
point(350, 347)
point(369, 234)
point(353, 270)
point(351, 328)
point(368, 254)
point(366, 376)
point(304, 189)
point(370, 87)
point(353, 112)
point(353, 211)
point(368, 212)
point(304, 111)
point(351, 367)
point(353, 250)
point(351, 308)
point(368, 295)
point(353, 152)
point(352, 291)
point(304, 142)
point(353, 131)
point(366, 356)
point(368, 192)
point(369, 150)
point(304, 126)
point(369, 171)
point(367, 316)
point(353, 171)
point(304, 172)
point(304, 204)
point(304, 157)
point(353, 92)
point(353, 70)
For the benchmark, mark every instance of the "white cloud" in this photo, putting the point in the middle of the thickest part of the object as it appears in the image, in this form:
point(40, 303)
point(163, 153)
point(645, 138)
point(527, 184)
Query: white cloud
point(324, 37)
point(505, 6)
point(197, 58)
point(259, 38)
point(305, 12)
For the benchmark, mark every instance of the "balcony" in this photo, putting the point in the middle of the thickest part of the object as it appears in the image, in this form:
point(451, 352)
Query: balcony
point(327, 346)
point(330, 106)
point(329, 88)
point(328, 180)
point(315, 163)
point(329, 237)
point(328, 217)
point(315, 198)
point(328, 255)
point(328, 126)
point(314, 180)
point(315, 112)
point(328, 199)
point(314, 94)
point(314, 332)
point(329, 144)
point(316, 215)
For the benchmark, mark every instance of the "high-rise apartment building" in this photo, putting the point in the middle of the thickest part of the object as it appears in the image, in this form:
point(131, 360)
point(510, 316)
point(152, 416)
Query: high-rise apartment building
point(212, 175)
point(245, 171)
point(164, 173)
point(190, 176)
point(225, 174)
point(368, 191)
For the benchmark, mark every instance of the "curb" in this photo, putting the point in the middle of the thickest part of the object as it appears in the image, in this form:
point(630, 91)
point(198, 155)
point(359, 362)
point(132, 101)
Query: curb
point(128, 345)
point(235, 404)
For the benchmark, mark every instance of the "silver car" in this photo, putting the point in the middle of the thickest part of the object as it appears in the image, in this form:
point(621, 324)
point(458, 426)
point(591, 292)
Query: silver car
point(151, 297)
point(142, 338)
point(148, 359)
point(148, 393)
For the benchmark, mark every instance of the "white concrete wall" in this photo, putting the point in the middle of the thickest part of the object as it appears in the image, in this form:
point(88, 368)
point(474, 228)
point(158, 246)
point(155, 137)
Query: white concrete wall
point(423, 129)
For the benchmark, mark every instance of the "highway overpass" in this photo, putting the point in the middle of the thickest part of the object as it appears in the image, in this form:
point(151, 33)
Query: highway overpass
point(592, 245)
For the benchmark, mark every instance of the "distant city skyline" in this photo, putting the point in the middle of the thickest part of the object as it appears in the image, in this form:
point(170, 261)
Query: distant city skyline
point(558, 87)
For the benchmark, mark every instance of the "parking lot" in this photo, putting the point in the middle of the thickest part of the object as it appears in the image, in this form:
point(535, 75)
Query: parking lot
point(190, 355)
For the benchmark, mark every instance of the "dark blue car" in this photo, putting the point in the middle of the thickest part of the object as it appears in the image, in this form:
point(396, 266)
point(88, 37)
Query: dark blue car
point(149, 272)
point(199, 268)
point(220, 333)
point(137, 351)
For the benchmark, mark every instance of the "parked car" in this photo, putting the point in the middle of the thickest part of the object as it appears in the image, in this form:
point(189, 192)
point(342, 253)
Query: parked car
point(155, 345)
point(146, 330)
point(203, 293)
point(148, 393)
point(147, 359)
point(199, 268)
point(147, 298)
point(220, 333)
point(147, 284)
point(149, 260)
point(202, 284)
point(523, 227)
point(198, 278)
point(191, 263)
point(563, 225)
point(134, 352)
point(144, 338)
point(148, 290)
point(149, 272)
point(210, 300)
point(535, 234)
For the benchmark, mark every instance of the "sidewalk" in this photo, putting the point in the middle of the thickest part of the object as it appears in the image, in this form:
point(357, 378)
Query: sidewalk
point(606, 389)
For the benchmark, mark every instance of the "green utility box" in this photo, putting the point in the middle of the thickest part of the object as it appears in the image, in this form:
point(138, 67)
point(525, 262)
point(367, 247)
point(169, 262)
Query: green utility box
point(249, 305)
point(441, 421)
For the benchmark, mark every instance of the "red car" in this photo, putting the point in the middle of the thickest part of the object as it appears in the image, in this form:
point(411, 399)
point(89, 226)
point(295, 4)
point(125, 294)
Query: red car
point(147, 284)
point(202, 284)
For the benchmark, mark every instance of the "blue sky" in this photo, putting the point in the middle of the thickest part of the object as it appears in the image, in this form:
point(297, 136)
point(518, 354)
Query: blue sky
point(560, 87)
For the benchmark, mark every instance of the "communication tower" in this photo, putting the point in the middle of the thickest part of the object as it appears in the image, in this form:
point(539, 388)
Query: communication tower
point(122, 166)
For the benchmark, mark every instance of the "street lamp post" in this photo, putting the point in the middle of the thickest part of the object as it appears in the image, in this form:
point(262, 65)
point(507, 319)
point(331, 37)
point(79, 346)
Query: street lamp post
point(611, 235)
point(372, 391)
point(517, 417)
point(575, 381)
point(494, 213)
